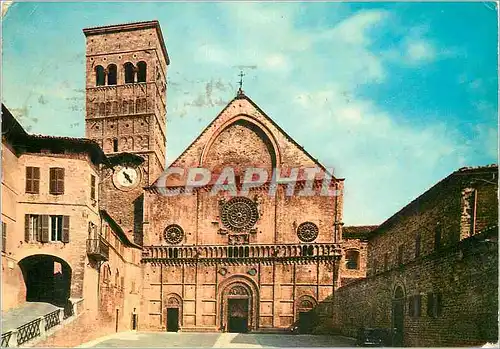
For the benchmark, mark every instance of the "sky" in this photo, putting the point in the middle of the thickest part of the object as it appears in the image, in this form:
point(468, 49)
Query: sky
point(393, 96)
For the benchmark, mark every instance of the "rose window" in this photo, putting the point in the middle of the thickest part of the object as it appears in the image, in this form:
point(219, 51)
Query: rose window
point(307, 231)
point(173, 234)
point(239, 214)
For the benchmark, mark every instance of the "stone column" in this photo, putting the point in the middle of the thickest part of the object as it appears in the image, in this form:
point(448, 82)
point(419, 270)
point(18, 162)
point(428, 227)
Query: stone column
point(13, 339)
point(42, 326)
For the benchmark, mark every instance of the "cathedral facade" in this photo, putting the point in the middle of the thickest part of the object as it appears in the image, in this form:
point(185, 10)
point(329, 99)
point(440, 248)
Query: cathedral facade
point(242, 232)
point(235, 260)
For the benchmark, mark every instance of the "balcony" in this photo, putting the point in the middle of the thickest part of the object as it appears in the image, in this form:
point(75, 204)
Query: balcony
point(237, 254)
point(98, 249)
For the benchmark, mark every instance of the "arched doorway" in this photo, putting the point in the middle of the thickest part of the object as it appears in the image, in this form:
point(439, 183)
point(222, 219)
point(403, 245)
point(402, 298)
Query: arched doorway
point(47, 279)
point(306, 316)
point(398, 317)
point(238, 305)
point(173, 312)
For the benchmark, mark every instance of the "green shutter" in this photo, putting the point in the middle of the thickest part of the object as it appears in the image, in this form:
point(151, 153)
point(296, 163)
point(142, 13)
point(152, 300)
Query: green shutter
point(60, 181)
point(53, 181)
point(45, 228)
point(65, 232)
point(36, 180)
point(27, 227)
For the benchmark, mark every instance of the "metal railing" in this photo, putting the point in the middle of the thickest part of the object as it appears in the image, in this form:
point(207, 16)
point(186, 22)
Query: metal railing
point(52, 319)
point(28, 331)
point(98, 248)
point(5, 339)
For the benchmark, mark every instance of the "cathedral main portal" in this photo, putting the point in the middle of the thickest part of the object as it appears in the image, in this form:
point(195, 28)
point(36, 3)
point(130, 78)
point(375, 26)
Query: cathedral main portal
point(238, 307)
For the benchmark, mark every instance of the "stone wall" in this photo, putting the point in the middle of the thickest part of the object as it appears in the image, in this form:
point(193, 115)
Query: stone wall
point(467, 279)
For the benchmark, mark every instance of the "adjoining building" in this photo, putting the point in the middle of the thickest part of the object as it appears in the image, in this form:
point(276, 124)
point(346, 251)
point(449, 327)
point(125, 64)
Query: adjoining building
point(432, 272)
point(52, 246)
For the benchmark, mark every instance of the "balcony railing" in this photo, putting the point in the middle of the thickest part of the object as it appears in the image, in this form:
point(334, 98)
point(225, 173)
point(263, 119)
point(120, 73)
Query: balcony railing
point(241, 253)
point(98, 249)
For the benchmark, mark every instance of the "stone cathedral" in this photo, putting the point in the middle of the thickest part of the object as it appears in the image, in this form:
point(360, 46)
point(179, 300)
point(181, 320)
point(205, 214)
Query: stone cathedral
point(223, 262)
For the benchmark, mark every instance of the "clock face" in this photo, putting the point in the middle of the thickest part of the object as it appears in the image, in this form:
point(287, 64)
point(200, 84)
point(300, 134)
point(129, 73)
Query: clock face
point(127, 178)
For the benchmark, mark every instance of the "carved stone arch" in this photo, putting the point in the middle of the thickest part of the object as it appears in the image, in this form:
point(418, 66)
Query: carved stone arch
point(238, 287)
point(269, 137)
point(173, 300)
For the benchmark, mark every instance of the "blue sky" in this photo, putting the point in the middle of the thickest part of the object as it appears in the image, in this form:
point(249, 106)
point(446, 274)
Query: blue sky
point(394, 96)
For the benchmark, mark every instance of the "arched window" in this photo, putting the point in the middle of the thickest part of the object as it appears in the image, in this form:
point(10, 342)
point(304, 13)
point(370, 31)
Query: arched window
point(352, 259)
point(99, 76)
point(112, 74)
point(115, 145)
point(141, 71)
point(129, 73)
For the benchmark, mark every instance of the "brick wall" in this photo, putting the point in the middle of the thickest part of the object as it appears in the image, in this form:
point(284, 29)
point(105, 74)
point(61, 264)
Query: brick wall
point(462, 268)
point(467, 279)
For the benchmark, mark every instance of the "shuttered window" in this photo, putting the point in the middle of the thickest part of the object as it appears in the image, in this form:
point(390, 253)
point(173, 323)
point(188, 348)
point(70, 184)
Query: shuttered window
point(434, 304)
point(4, 237)
point(56, 185)
point(32, 180)
point(414, 305)
point(32, 227)
point(92, 187)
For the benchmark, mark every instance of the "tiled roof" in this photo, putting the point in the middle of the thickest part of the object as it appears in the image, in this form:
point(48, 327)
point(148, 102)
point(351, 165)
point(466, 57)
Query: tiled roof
point(357, 231)
point(22, 141)
point(408, 208)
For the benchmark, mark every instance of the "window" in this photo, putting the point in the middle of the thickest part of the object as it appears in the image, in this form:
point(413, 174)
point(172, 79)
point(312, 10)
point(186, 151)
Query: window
point(56, 228)
point(112, 74)
point(400, 254)
point(92, 231)
point(129, 73)
point(437, 237)
point(132, 287)
point(99, 76)
point(386, 261)
point(117, 244)
point(33, 228)
point(4, 236)
point(352, 259)
point(434, 304)
point(106, 233)
point(122, 282)
point(33, 180)
point(417, 246)
point(115, 145)
point(56, 185)
point(92, 187)
point(414, 305)
point(117, 278)
point(141, 71)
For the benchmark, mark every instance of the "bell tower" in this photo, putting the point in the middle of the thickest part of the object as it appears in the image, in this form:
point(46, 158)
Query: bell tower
point(126, 73)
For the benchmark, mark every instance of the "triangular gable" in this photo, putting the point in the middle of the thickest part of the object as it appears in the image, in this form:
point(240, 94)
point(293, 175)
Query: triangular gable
point(290, 154)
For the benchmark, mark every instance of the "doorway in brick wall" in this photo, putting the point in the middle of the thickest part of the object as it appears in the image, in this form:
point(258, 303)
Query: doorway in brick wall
point(398, 317)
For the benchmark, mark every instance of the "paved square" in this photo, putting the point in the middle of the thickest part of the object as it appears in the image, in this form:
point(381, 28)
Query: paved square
point(217, 340)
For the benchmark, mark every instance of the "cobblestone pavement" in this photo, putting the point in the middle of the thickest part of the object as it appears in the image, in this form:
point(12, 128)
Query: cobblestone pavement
point(216, 340)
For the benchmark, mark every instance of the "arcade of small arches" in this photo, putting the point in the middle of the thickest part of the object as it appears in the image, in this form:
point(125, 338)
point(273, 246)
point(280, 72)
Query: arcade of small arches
point(109, 76)
point(238, 251)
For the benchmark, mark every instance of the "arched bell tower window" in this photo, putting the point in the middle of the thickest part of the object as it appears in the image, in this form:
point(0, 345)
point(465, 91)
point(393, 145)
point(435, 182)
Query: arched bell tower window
point(115, 145)
point(129, 73)
point(99, 76)
point(112, 74)
point(141, 71)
